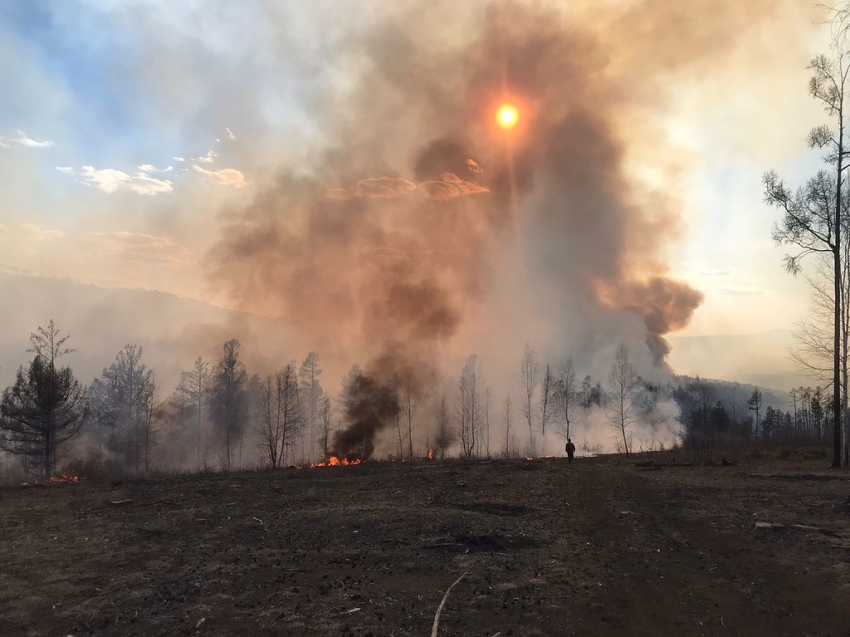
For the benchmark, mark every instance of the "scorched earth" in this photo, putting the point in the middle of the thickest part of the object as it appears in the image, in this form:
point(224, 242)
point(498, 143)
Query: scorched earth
point(599, 547)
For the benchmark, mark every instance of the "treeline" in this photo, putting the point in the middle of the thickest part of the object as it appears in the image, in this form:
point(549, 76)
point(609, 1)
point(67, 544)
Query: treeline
point(220, 417)
point(717, 414)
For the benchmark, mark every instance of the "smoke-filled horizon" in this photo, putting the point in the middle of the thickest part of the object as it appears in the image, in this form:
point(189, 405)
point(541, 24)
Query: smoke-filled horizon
point(421, 205)
point(401, 228)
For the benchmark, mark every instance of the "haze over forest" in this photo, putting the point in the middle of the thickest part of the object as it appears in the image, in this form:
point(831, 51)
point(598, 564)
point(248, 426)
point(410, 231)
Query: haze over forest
point(318, 179)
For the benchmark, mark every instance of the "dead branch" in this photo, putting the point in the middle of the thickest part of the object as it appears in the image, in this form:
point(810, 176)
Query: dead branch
point(436, 625)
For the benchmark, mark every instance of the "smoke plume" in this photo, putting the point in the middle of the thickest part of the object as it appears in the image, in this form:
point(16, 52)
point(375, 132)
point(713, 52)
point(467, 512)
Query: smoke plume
point(385, 244)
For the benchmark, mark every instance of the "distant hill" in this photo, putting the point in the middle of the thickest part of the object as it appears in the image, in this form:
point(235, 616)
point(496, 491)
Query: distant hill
point(759, 359)
point(173, 331)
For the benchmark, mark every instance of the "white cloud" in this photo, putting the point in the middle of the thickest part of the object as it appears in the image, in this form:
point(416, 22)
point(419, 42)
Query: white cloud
point(224, 177)
point(230, 134)
point(110, 181)
point(65, 169)
point(179, 158)
point(23, 140)
point(148, 168)
point(208, 158)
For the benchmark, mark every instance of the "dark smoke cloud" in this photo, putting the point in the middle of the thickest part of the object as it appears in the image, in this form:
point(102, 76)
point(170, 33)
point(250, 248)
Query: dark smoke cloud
point(383, 251)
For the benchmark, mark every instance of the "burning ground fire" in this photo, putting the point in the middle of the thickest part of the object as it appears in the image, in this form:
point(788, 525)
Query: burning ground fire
point(334, 461)
point(65, 478)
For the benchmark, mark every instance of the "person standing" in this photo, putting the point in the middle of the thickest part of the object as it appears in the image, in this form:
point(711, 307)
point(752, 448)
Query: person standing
point(570, 449)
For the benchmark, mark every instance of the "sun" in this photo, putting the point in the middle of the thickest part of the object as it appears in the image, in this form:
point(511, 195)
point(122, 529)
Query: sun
point(507, 116)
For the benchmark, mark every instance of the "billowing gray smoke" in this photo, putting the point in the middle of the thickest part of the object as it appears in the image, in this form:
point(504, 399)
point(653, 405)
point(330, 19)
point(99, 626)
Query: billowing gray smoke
point(392, 239)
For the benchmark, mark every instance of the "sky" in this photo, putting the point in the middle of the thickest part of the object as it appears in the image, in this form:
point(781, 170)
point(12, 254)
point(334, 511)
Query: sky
point(131, 132)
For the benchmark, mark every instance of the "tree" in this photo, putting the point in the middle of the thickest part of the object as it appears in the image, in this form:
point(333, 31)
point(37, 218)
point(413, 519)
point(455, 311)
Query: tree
point(508, 424)
point(311, 389)
point(120, 401)
point(325, 438)
point(193, 388)
point(623, 383)
point(46, 405)
point(469, 406)
point(150, 414)
point(228, 399)
point(813, 216)
point(754, 404)
point(445, 436)
point(280, 414)
point(529, 373)
point(565, 391)
point(547, 398)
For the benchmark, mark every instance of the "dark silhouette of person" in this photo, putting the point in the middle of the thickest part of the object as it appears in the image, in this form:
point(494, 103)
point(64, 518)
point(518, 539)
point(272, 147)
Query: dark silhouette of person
point(570, 449)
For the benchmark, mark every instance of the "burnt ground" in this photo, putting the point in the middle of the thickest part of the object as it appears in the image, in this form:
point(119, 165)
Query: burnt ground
point(600, 547)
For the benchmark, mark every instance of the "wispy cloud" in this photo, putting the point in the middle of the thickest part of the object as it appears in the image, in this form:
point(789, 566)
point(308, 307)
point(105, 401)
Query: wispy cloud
point(179, 158)
point(65, 169)
point(224, 177)
point(230, 134)
point(23, 140)
point(111, 181)
point(206, 159)
point(136, 246)
point(148, 168)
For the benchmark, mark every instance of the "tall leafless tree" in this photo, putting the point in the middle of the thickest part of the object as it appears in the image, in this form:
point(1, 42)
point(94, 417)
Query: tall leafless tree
point(308, 375)
point(469, 407)
point(228, 400)
point(508, 427)
point(623, 383)
point(547, 398)
point(193, 388)
point(567, 398)
point(444, 436)
point(529, 376)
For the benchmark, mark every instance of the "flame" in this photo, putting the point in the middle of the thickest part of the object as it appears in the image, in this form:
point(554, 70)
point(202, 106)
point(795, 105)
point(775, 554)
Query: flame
point(65, 478)
point(333, 461)
point(507, 116)
point(430, 454)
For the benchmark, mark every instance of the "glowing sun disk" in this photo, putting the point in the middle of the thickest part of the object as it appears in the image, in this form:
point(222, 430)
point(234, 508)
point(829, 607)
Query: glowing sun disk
point(507, 116)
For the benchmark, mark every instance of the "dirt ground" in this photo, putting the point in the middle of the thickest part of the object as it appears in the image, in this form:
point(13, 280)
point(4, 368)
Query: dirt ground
point(599, 547)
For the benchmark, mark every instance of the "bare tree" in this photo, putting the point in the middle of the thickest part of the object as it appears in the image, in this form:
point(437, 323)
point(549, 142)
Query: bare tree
point(623, 384)
point(119, 400)
point(152, 413)
point(529, 375)
point(445, 436)
point(469, 407)
point(488, 395)
point(813, 216)
point(311, 389)
point(326, 438)
point(567, 395)
point(45, 407)
point(547, 398)
point(228, 399)
point(281, 418)
point(508, 426)
point(193, 388)
point(408, 405)
point(754, 404)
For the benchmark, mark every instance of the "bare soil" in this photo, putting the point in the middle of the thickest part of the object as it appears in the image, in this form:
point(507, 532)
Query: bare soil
point(599, 547)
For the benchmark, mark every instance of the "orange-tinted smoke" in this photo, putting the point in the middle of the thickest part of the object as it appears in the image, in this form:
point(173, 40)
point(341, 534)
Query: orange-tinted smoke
point(397, 231)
